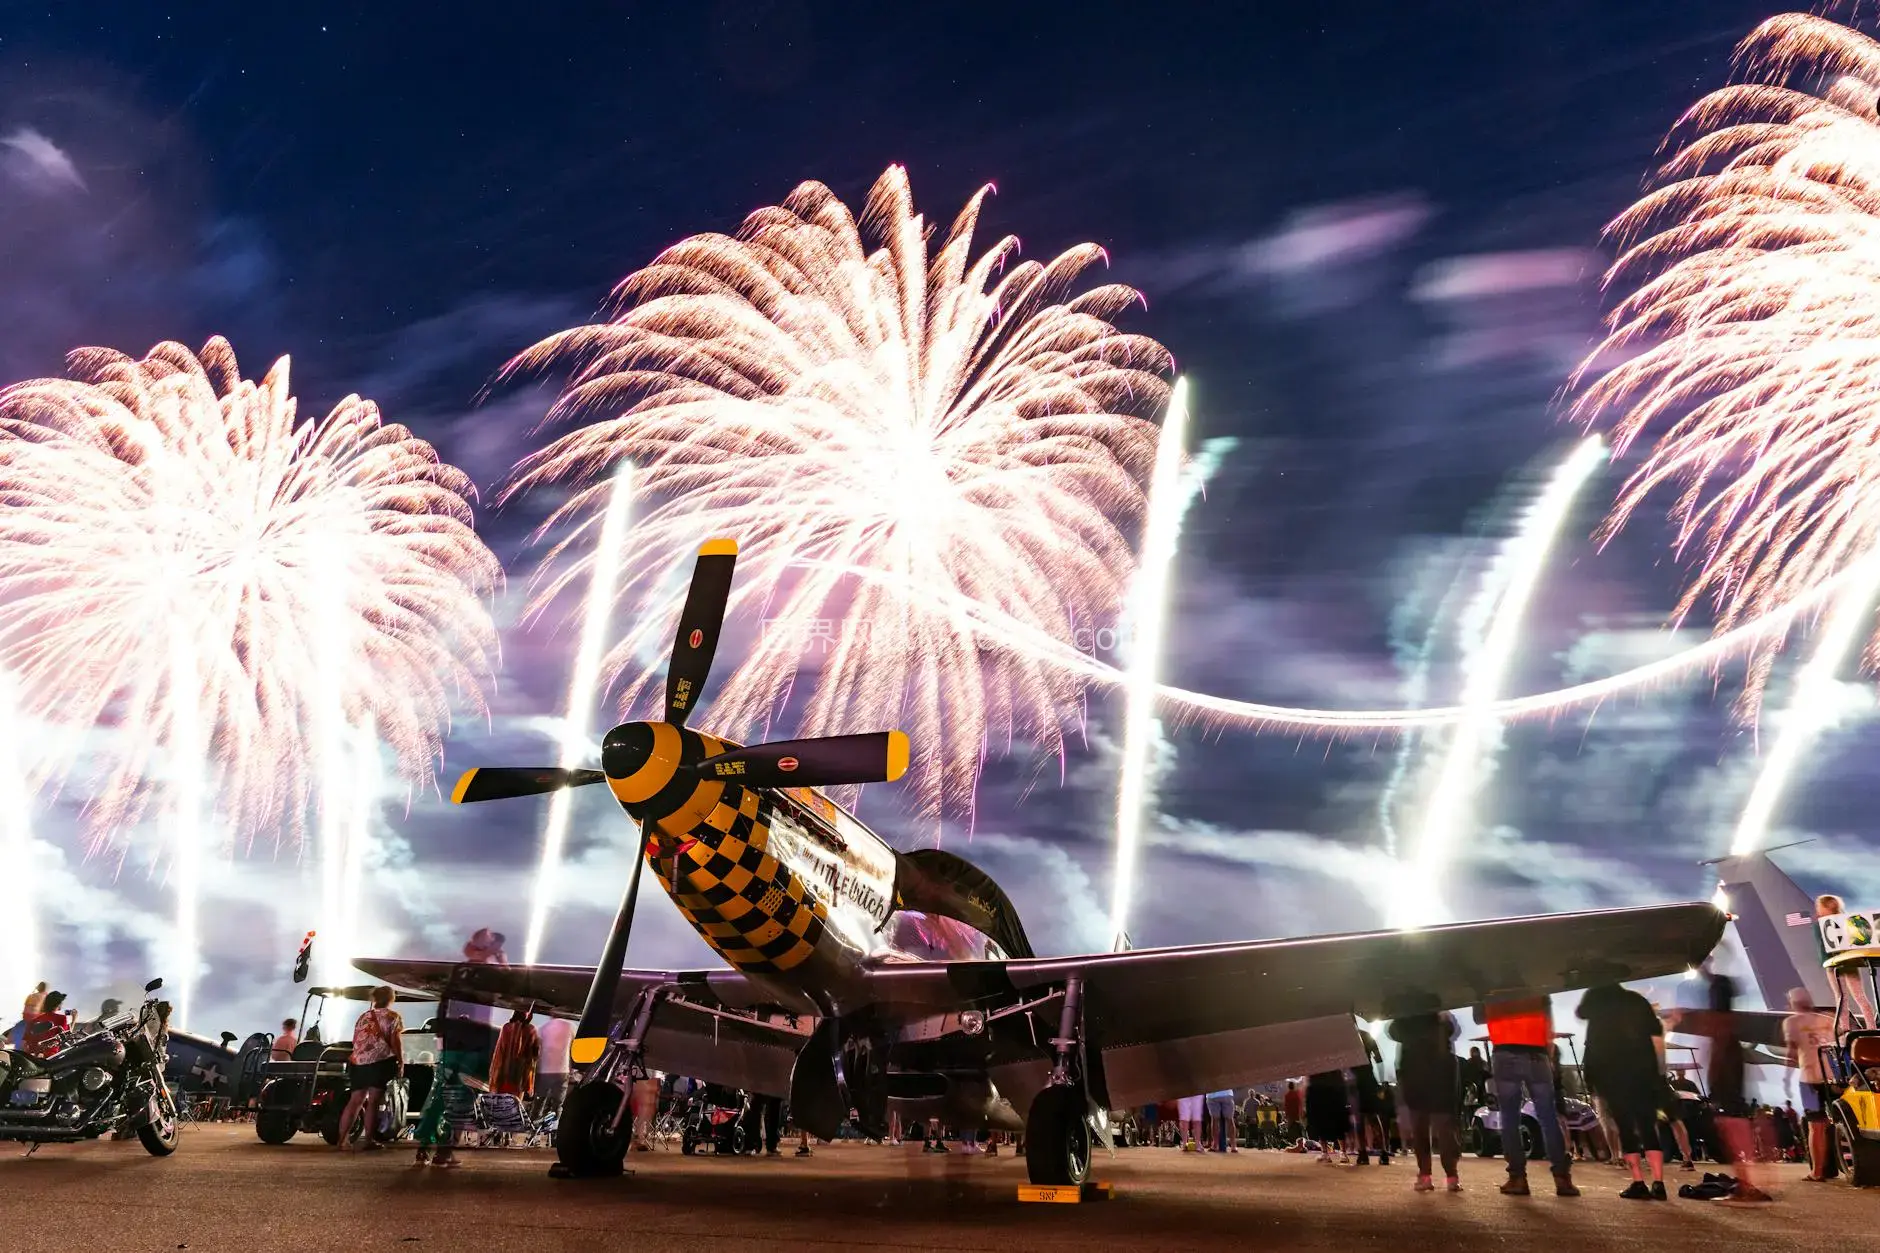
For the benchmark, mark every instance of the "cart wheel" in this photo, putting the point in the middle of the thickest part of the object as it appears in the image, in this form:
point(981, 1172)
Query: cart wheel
point(274, 1126)
point(1487, 1143)
point(1859, 1157)
point(329, 1120)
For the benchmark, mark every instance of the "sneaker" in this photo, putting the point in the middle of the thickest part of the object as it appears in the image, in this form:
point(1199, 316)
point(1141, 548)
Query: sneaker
point(802, 1150)
point(1383, 1159)
point(1636, 1191)
point(1423, 1184)
point(772, 1153)
point(1689, 1166)
point(1563, 1186)
point(1515, 1186)
point(1364, 1159)
point(1658, 1190)
point(1454, 1184)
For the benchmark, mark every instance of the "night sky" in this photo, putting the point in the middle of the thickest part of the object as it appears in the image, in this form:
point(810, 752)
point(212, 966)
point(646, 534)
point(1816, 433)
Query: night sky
point(1369, 232)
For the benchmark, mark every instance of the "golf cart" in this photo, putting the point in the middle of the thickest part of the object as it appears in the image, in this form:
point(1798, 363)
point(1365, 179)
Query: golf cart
point(1577, 1115)
point(1852, 944)
point(308, 1092)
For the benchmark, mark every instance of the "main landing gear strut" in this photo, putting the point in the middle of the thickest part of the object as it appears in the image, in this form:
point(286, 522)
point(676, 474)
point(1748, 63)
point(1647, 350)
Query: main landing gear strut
point(597, 1117)
point(1057, 1131)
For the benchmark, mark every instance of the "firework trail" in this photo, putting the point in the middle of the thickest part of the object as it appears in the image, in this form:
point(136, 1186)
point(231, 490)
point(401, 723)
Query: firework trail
point(1496, 622)
point(1748, 349)
point(176, 547)
point(603, 566)
point(1813, 706)
point(1168, 501)
point(19, 938)
point(829, 391)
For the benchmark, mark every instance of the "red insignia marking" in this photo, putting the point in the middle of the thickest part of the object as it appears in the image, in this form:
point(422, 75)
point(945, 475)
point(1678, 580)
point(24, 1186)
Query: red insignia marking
point(786, 764)
point(698, 637)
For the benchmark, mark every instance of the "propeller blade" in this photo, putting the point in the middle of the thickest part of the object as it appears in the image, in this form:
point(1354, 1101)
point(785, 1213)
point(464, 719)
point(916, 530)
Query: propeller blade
point(500, 783)
point(699, 624)
point(597, 1013)
point(877, 757)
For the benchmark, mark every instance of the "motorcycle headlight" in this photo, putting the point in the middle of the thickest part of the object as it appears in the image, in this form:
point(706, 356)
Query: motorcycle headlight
point(93, 1080)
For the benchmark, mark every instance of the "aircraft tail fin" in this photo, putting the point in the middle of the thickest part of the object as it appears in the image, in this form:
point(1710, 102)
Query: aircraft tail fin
point(1775, 920)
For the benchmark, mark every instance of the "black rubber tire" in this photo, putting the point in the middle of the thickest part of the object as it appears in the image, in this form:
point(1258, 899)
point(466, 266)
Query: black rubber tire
point(329, 1119)
point(275, 1126)
point(581, 1140)
point(1057, 1140)
point(1533, 1143)
point(1487, 1143)
point(161, 1138)
point(1859, 1157)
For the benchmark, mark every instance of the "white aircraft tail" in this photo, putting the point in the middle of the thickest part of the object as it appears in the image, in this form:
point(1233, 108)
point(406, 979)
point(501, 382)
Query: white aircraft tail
point(1775, 921)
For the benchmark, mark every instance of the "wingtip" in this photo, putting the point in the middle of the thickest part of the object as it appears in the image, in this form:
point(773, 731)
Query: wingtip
point(463, 785)
point(721, 547)
point(898, 750)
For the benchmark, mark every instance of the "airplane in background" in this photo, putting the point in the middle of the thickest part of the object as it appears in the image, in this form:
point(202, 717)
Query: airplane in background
point(1775, 922)
point(862, 978)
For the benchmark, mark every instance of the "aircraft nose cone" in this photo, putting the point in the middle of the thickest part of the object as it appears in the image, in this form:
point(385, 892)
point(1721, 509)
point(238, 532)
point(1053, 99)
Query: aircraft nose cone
point(626, 750)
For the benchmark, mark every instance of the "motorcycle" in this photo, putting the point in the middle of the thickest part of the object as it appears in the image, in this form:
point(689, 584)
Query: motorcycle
point(103, 1077)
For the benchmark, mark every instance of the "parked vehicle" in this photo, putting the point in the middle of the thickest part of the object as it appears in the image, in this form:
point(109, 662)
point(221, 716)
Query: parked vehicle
point(103, 1077)
point(308, 1092)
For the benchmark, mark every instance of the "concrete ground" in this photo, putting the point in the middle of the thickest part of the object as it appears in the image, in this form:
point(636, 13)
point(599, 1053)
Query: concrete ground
point(223, 1190)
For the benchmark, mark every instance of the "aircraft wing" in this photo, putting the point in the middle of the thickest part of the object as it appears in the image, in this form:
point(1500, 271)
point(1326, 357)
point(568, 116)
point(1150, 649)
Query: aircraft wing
point(720, 1027)
point(1180, 1020)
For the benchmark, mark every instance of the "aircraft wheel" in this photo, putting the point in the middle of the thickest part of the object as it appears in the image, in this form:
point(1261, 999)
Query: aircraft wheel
point(1057, 1140)
point(687, 1145)
point(1859, 1157)
point(582, 1141)
point(274, 1126)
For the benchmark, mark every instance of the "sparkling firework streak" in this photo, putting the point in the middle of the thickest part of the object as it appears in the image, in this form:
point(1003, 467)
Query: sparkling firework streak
point(1006, 633)
point(1813, 707)
point(1168, 501)
point(603, 568)
point(20, 937)
point(1507, 590)
point(1748, 351)
point(168, 506)
point(828, 391)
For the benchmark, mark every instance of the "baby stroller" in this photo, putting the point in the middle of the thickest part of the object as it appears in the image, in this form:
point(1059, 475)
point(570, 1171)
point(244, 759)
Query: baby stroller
point(715, 1119)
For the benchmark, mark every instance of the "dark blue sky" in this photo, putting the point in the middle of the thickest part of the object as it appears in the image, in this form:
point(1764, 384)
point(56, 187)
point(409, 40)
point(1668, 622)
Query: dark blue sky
point(1369, 232)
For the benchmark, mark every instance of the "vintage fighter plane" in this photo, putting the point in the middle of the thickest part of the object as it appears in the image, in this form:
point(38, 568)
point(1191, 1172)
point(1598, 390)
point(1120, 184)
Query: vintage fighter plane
point(862, 977)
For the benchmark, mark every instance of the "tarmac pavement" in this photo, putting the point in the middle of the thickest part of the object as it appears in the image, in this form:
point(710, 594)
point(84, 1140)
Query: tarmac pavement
point(224, 1190)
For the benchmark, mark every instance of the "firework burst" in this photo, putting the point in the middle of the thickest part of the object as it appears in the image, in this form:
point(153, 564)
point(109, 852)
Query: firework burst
point(179, 558)
point(838, 397)
point(1748, 350)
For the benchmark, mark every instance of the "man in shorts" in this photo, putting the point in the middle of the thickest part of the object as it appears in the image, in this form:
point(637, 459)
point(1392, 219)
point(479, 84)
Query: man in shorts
point(1807, 1031)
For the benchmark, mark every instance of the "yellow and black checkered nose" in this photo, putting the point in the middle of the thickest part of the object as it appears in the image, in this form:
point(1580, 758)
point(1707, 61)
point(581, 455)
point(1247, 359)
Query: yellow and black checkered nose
point(709, 844)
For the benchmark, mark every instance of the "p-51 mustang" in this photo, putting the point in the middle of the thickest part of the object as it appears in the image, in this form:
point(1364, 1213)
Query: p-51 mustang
point(863, 978)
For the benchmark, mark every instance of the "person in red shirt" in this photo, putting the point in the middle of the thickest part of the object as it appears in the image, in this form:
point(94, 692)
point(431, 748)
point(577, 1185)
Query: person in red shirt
point(44, 1025)
point(1295, 1110)
point(1522, 1032)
